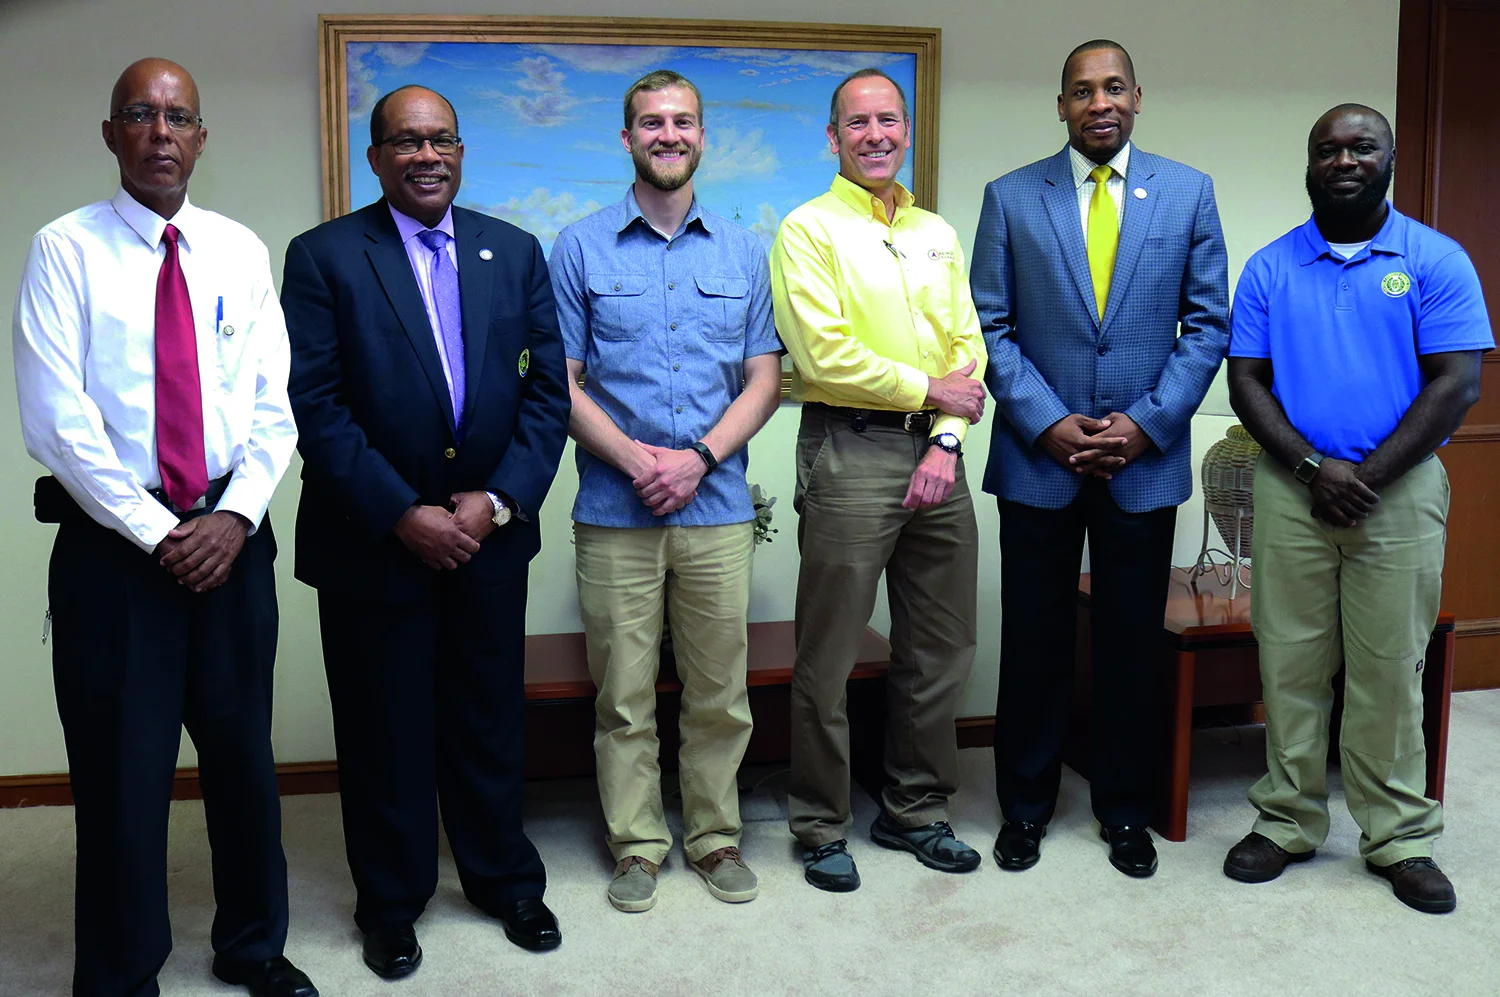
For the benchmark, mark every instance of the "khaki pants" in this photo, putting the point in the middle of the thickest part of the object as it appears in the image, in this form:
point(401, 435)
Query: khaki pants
point(1367, 596)
point(853, 528)
point(703, 574)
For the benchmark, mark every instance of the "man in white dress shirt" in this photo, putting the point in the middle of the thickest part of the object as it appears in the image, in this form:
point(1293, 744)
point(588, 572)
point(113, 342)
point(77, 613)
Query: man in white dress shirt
point(151, 367)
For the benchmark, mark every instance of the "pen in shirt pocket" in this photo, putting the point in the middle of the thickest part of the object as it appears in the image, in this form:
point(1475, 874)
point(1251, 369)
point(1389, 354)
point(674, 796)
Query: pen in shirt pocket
point(219, 315)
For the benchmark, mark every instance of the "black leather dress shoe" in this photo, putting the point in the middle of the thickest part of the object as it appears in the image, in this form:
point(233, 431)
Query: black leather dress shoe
point(393, 952)
point(273, 978)
point(1019, 845)
point(530, 924)
point(1130, 850)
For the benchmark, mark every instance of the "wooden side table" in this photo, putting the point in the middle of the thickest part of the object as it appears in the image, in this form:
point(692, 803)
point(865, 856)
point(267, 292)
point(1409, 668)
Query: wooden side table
point(560, 704)
point(1212, 660)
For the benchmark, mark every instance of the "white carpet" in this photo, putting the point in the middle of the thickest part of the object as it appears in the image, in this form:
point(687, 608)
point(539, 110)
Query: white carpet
point(1071, 925)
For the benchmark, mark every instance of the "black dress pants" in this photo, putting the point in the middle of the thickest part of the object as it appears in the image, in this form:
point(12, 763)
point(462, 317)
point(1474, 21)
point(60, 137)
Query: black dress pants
point(136, 657)
point(429, 712)
point(1130, 558)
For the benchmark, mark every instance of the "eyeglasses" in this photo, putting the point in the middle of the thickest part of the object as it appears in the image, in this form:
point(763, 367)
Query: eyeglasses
point(407, 145)
point(143, 115)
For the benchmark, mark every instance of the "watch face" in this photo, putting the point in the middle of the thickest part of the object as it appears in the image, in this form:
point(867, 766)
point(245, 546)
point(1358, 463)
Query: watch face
point(502, 515)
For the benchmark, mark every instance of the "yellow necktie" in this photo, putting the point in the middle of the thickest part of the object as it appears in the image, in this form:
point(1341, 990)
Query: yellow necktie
point(1104, 236)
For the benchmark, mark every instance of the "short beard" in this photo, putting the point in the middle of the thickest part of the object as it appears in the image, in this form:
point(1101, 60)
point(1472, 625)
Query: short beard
point(649, 170)
point(1343, 211)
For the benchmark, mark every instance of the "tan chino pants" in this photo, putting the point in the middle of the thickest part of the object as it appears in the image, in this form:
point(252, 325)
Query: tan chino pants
point(702, 573)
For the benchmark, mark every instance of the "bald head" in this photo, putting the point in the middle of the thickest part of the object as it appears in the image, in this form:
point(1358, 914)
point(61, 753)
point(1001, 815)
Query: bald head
point(159, 139)
point(141, 75)
point(1353, 114)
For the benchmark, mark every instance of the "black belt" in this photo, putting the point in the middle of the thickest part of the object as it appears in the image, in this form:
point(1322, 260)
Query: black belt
point(202, 507)
point(55, 505)
point(860, 418)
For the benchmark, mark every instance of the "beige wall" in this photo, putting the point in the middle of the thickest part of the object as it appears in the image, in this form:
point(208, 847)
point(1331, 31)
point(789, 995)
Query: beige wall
point(1230, 87)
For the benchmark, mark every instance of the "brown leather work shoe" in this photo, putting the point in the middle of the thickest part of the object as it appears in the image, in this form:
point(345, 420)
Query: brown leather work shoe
point(1258, 859)
point(1419, 884)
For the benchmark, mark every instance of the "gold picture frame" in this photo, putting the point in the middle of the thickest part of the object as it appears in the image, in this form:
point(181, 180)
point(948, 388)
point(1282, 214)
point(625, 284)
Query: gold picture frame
point(565, 76)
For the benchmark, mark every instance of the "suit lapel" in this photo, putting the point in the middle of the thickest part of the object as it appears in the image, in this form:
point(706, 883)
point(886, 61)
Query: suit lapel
point(1134, 227)
point(393, 267)
point(1061, 198)
point(476, 281)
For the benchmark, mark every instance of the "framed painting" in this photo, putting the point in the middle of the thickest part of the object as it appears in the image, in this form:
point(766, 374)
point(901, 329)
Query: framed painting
point(539, 106)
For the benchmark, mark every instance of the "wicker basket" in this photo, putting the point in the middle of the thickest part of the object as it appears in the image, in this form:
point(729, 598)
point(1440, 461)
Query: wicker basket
point(1229, 487)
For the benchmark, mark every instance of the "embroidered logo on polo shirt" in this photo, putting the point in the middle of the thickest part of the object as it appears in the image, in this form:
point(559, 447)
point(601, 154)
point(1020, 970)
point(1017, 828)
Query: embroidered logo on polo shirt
point(941, 255)
point(1395, 284)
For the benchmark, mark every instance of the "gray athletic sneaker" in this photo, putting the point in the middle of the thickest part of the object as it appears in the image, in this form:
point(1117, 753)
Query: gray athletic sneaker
point(634, 887)
point(933, 844)
point(727, 876)
point(830, 867)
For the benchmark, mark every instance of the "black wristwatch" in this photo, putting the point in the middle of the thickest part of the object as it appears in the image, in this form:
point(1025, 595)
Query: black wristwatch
point(948, 443)
point(1308, 469)
point(709, 460)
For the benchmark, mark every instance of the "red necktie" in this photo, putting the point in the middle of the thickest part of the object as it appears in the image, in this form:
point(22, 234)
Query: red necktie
point(179, 396)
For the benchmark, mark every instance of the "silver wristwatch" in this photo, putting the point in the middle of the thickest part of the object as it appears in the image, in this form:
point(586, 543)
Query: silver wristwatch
point(502, 511)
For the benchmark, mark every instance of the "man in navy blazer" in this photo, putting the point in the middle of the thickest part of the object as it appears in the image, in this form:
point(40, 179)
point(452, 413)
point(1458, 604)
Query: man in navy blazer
point(1080, 292)
point(429, 384)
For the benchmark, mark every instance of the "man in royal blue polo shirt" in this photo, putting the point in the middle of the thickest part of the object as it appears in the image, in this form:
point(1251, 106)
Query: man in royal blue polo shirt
point(666, 312)
point(1355, 353)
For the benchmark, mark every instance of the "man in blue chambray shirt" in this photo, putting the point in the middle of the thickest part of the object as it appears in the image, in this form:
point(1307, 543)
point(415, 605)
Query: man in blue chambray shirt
point(666, 311)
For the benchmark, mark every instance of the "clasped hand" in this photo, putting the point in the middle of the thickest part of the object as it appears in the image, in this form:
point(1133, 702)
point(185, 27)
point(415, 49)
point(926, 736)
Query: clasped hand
point(199, 552)
point(670, 480)
point(1339, 496)
point(444, 538)
point(1096, 447)
point(957, 393)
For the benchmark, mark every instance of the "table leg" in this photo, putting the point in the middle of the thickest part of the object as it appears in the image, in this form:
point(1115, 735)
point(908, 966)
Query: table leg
point(1171, 819)
point(1437, 695)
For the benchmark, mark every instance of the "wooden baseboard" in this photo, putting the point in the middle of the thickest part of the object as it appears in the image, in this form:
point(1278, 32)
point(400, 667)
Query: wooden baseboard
point(302, 778)
point(53, 789)
point(975, 732)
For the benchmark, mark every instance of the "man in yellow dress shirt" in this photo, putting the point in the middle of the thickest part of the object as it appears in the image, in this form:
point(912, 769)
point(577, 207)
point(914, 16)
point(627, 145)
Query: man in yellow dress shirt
point(873, 305)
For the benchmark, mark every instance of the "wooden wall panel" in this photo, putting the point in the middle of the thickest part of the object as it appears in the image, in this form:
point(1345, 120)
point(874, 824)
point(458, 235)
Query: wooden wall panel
point(1445, 178)
point(1476, 659)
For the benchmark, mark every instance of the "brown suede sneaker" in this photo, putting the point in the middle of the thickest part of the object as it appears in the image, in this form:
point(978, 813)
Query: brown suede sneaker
point(1258, 859)
point(1419, 884)
point(634, 887)
point(727, 876)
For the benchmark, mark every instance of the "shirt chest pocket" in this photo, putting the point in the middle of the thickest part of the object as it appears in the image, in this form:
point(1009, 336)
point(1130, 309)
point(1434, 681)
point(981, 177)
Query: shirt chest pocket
point(724, 307)
point(618, 306)
point(231, 322)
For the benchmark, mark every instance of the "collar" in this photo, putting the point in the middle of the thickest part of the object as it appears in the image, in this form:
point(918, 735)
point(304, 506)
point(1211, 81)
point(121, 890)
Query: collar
point(630, 213)
point(866, 203)
point(1311, 246)
point(410, 228)
point(149, 225)
point(1083, 165)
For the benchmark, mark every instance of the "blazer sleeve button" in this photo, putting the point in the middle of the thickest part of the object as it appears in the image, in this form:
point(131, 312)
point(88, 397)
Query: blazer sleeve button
point(450, 453)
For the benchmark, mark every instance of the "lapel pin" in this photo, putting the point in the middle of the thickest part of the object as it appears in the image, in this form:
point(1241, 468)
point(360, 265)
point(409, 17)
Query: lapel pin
point(523, 362)
point(485, 254)
point(228, 330)
point(1140, 193)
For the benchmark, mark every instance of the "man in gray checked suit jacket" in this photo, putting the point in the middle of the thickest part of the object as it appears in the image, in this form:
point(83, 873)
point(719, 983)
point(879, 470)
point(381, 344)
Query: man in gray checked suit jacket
point(1092, 438)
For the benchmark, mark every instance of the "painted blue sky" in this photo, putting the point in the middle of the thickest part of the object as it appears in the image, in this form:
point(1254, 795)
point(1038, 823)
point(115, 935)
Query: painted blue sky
point(541, 123)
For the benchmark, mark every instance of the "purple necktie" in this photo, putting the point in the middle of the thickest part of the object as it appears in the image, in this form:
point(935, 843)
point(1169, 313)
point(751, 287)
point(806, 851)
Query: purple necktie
point(445, 296)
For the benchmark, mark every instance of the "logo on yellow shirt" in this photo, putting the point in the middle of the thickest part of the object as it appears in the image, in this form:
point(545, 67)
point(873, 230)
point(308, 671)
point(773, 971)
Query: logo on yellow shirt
point(942, 255)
